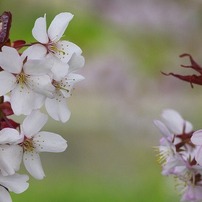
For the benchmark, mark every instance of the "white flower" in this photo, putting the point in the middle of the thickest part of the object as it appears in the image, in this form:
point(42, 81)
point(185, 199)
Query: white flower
point(14, 183)
point(57, 106)
point(173, 150)
point(35, 141)
point(50, 43)
point(27, 80)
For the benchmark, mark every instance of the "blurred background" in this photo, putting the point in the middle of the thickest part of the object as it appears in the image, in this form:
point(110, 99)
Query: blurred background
point(126, 44)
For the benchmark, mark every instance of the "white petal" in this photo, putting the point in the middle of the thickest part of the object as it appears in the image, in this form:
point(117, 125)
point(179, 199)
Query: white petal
point(34, 123)
point(42, 85)
point(24, 100)
point(163, 129)
point(16, 183)
point(76, 62)
point(9, 136)
point(4, 195)
point(10, 159)
point(57, 109)
point(197, 137)
point(10, 60)
point(74, 78)
point(198, 156)
point(188, 127)
point(33, 165)
point(49, 142)
point(59, 25)
point(37, 67)
point(66, 49)
point(8, 82)
point(173, 121)
point(35, 52)
point(59, 69)
point(39, 30)
point(68, 82)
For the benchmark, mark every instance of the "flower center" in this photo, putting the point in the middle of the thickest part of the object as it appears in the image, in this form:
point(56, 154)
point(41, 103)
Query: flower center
point(52, 47)
point(28, 145)
point(21, 78)
point(60, 86)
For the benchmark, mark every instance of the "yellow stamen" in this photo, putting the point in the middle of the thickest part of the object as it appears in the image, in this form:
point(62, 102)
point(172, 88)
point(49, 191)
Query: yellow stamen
point(21, 78)
point(28, 145)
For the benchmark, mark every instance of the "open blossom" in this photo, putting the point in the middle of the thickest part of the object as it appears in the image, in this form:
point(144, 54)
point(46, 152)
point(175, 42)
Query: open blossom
point(33, 141)
point(13, 183)
point(26, 80)
point(176, 137)
point(175, 129)
point(57, 106)
point(51, 45)
point(178, 154)
point(31, 75)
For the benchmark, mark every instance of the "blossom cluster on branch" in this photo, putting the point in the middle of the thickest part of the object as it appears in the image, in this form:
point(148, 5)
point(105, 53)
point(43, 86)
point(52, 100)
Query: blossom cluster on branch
point(32, 75)
point(180, 150)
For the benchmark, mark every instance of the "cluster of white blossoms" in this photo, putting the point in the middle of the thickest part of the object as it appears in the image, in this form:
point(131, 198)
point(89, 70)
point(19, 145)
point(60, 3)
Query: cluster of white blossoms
point(43, 74)
point(180, 154)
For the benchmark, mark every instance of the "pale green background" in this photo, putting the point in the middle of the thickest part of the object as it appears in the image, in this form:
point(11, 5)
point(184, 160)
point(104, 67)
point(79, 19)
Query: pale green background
point(126, 44)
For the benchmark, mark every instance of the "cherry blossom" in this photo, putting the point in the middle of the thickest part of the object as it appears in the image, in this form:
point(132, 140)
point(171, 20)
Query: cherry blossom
point(35, 141)
point(57, 106)
point(177, 154)
point(50, 43)
point(26, 80)
point(32, 75)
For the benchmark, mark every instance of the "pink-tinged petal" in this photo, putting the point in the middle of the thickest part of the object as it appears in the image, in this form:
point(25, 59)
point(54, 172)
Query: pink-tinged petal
point(33, 165)
point(10, 159)
point(39, 30)
point(24, 100)
point(9, 136)
point(197, 137)
point(49, 142)
point(192, 193)
point(8, 82)
point(59, 25)
point(16, 183)
point(34, 123)
point(76, 62)
point(198, 156)
point(163, 129)
point(10, 60)
point(188, 127)
point(173, 121)
point(57, 108)
point(66, 49)
point(35, 52)
point(4, 195)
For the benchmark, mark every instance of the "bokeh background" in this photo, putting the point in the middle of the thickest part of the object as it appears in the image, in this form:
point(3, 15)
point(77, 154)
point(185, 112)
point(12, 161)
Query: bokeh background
point(126, 44)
